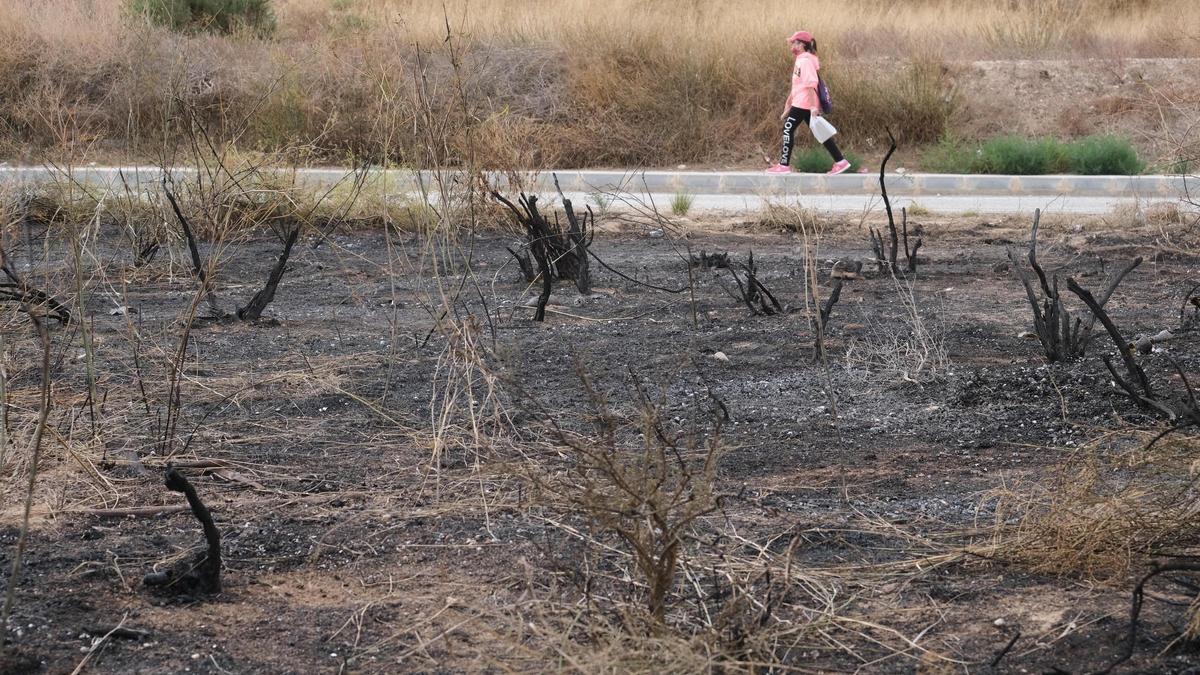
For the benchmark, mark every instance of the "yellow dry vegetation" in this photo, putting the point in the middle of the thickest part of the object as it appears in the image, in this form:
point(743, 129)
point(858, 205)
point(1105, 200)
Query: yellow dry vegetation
point(524, 82)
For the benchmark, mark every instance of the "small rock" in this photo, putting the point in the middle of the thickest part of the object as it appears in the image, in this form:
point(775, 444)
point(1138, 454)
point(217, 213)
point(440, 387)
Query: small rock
point(656, 233)
point(999, 622)
point(720, 356)
point(846, 269)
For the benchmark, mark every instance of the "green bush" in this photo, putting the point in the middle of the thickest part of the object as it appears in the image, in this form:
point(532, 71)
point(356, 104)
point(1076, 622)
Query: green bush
point(1022, 156)
point(951, 155)
point(817, 160)
point(1091, 156)
point(1103, 156)
point(223, 16)
point(681, 203)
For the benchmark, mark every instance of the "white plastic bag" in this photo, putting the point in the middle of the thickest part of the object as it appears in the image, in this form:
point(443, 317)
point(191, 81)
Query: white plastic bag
point(822, 130)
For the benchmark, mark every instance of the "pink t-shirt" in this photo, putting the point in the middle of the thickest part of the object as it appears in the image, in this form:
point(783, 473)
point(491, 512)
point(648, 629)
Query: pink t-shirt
point(804, 83)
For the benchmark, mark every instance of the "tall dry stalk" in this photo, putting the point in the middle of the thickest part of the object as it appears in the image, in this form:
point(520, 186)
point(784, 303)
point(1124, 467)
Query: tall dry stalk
point(813, 307)
point(14, 576)
point(3, 404)
point(78, 242)
point(466, 402)
point(467, 396)
point(4, 440)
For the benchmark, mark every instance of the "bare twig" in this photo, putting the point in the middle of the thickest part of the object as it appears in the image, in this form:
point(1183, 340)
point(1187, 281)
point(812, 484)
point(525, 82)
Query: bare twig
point(1135, 371)
point(261, 299)
point(198, 268)
point(885, 254)
point(14, 576)
point(1135, 609)
point(1063, 336)
point(116, 631)
point(16, 289)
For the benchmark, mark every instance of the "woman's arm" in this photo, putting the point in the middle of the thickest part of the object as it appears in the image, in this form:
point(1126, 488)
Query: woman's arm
point(806, 71)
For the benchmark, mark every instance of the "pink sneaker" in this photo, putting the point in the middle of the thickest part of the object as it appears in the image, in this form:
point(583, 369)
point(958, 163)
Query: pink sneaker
point(839, 167)
point(780, 168)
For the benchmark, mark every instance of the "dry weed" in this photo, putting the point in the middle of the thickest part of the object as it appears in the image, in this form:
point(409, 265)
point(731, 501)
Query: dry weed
point(915, 352)
point(336, 81)
point(1112, 506)
point(790, 216)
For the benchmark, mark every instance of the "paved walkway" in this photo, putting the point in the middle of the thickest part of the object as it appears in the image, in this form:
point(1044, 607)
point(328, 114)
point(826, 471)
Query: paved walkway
point(738, 190)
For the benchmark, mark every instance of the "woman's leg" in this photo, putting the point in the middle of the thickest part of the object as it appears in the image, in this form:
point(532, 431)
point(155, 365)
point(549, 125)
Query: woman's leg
point(796, 117)
point(832, 147)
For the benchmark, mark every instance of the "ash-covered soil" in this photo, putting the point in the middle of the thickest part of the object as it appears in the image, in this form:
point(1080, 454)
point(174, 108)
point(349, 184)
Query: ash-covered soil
point(350, 546)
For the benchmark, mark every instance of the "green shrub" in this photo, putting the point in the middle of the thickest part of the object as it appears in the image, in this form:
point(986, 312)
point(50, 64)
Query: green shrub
point(1103, 156)
point(817, 160)
point(1022, 156)
point(681, 203)
point(952, 155)
point(222, 16)
point(1091, 156)
point(602, 202)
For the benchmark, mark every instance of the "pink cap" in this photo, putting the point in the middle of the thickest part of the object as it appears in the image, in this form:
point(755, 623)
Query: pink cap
point(801, 35)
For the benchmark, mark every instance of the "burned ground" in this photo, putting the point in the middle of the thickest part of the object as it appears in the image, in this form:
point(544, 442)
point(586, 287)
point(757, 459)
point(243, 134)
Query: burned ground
point(362, 535)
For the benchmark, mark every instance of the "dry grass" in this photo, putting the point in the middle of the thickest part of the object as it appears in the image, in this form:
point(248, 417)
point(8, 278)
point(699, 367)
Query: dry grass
point(744, 595)
point(915, 353)
point(1111, 507)
point(791, 216)
point(546, 83)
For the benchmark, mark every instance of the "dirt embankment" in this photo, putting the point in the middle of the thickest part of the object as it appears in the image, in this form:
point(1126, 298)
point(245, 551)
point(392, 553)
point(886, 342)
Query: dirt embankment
point(1153, 102)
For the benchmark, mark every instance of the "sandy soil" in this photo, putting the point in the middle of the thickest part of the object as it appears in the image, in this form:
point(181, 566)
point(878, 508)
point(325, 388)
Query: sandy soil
point(351, 547)
point(1154, 102)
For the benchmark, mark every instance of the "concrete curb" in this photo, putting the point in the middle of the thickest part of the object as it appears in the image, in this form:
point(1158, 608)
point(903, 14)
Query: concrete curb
point(692, 182)
point(754, 183)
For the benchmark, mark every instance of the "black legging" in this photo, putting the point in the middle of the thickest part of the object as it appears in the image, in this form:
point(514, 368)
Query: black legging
point(794, 118)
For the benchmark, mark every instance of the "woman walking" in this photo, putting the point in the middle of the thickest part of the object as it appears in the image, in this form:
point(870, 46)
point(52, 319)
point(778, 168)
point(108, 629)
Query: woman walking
point(803, 103)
